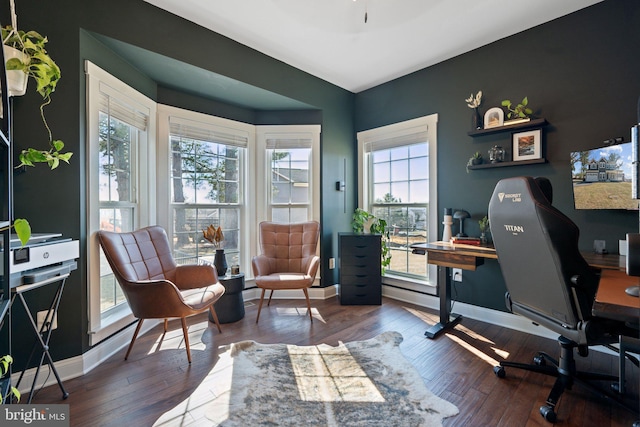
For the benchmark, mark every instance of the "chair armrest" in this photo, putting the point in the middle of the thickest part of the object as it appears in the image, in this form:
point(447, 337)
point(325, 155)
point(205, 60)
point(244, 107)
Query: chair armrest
point(195, 276)
point(312, 269)
point(152, 298)
point(260, 266)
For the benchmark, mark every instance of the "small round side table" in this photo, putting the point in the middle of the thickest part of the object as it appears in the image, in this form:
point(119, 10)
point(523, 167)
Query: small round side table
point(230, 306)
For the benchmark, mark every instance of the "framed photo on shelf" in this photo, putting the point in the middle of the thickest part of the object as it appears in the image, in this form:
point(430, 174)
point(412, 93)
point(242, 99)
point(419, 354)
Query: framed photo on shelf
point(527, 145)
point(494, 117)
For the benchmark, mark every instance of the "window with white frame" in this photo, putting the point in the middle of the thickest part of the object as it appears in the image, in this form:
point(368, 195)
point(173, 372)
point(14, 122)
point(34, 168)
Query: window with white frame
point(397, 177)
point(206, 184)
point(290, 161)
point(120, 134)
point(200, 170)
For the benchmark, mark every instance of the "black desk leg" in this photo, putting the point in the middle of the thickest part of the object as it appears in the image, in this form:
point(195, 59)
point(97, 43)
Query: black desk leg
point(447, 319)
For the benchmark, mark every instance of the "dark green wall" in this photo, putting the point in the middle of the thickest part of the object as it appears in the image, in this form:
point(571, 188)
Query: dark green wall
point(56, 201)
point(580, 72)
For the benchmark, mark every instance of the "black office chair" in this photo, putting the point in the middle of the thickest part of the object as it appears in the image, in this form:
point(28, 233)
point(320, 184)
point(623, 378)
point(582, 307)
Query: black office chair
point(548, 281)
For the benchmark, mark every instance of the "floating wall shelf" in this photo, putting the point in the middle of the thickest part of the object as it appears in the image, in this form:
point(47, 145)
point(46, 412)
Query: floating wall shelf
point(506, 164)
point(535, 123)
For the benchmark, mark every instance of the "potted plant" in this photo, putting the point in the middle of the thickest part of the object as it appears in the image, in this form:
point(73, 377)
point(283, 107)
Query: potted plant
point(214, 236)
point(5, 362)
point(365, 222)
point(519, 111)
point(474, 103)
point(36, 63)
point(474, 160)
point(484, 227)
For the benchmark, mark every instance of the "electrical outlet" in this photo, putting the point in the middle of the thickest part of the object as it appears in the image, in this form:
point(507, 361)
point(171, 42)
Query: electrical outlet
point(42, 315)
point(457, 274)
point(332, 263)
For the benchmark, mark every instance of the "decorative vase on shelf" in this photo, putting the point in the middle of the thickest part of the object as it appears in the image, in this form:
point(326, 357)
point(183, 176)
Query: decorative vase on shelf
point(476, 119)
point(220, 262)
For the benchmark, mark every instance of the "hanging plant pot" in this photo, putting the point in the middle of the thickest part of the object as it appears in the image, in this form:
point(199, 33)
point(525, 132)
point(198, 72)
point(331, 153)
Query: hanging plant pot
point(16, 79)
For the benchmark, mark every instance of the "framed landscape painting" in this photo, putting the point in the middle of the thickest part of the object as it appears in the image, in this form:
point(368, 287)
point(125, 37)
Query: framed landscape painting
point(527, 145)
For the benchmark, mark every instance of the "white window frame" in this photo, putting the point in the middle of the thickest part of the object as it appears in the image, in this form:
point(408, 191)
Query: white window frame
point(402, 131)
point(97, 81)
point(165, 114)
point(308, 136)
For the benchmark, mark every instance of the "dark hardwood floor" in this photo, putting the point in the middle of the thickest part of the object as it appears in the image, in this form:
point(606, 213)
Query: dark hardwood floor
point(456, 366)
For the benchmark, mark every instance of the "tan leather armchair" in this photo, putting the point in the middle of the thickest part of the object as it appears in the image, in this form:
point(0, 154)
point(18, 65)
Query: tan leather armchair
point(288, 259)
point(154, 285)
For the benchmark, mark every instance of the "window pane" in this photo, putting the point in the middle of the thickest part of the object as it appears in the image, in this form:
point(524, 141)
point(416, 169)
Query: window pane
point(204, 172)
point(381, 172)
point(400, 193)
point(419, 191)
point(289, 214)
point(205, 191)
point(399, 170)
point(290, 179)
point(115, 142)
point(419, 168)
point(399, 153)
point(116, 145)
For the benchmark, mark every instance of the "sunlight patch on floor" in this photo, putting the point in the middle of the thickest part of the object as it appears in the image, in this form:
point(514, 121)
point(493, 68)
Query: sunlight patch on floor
point(331, 375)
point(174, 339)
point(427, 317)
point(476, 336)
point(475, 351)
point(213, 394)
point(473, 334)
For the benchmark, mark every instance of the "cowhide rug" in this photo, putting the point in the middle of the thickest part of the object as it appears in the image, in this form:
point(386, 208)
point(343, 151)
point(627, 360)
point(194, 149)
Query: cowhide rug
point(363, 383)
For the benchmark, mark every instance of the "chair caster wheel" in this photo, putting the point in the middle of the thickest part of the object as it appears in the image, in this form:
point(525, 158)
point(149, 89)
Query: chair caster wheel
point(548, 414)
point(65, 395)
point(499, 371)
point(539, 360)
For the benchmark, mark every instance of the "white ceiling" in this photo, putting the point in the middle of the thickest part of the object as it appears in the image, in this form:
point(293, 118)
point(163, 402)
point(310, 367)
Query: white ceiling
point(330, 40)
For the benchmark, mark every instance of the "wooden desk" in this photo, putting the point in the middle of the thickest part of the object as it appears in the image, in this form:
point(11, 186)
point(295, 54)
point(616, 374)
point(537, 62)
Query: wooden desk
point(468, 257)
point(606, 261)
point(611, 300)
point(447, 256)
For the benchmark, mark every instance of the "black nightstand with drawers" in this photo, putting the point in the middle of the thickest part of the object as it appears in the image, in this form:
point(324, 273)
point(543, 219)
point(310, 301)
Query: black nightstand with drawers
point(360, 278)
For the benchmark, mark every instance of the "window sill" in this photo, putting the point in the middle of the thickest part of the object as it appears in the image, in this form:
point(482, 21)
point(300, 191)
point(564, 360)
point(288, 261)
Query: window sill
point(117, 319)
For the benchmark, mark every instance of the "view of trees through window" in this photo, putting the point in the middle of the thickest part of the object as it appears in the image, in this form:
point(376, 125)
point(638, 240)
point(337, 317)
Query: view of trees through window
point(117, 143)
point(205, 190)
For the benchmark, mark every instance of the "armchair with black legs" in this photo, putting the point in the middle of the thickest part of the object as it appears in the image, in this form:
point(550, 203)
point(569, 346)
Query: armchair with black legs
point(548, 282)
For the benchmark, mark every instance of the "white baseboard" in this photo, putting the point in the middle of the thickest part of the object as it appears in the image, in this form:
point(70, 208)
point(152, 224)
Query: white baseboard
point(495, 317)
point(79, 365)
point(82, 364)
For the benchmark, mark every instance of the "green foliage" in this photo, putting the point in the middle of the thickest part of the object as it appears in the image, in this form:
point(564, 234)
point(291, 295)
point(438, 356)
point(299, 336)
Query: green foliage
point(476, 159)
point(22, 228)
point(5, 362)
point(484, 224)
point(46, 73)
point(518, 111)
point(377, 226)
